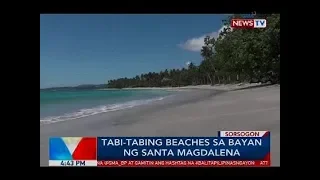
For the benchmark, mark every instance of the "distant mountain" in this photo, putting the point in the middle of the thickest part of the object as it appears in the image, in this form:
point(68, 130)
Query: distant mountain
point(80, 87)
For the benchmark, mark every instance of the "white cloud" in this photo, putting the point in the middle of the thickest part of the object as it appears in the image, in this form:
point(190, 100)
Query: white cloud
point(187, 64)
point(195, 44)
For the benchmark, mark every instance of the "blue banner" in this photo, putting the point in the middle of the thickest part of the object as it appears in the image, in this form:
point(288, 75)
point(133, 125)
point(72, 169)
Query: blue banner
point(183, 148)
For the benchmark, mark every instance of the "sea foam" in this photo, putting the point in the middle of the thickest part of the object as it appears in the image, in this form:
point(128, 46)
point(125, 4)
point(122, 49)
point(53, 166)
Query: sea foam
point(97, 110)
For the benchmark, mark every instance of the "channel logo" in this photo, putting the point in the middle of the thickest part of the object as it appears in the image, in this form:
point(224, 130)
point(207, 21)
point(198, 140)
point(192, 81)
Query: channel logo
point(248, 23)
point(71, 151)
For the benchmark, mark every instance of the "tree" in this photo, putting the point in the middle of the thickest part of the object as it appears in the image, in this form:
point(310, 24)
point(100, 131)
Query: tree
point(236, 55)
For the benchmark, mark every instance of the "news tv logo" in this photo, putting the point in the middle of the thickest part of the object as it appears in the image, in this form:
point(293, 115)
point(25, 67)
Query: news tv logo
point(72, 148)
point(248, 23)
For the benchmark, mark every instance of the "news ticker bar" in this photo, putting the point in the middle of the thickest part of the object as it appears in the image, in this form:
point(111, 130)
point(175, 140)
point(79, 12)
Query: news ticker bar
point(167, 163)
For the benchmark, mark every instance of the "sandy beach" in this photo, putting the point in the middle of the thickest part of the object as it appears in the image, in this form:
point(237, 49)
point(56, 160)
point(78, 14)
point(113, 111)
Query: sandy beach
point(195, 111)
point(223, 87)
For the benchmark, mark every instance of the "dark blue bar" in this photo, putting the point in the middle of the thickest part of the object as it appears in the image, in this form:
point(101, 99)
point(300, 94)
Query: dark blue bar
point(108, 149)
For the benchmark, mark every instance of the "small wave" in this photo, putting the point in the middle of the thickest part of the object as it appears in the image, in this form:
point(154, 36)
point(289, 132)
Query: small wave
point(97, 110)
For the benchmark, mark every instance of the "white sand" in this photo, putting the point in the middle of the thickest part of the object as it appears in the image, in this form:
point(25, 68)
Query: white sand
point(225, 87)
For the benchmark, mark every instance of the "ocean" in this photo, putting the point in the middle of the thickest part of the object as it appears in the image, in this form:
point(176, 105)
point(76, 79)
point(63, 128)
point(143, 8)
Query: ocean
point(67, 105)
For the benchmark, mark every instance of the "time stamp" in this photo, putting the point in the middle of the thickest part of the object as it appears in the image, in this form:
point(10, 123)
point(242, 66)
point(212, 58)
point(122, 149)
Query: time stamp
point(72, 163)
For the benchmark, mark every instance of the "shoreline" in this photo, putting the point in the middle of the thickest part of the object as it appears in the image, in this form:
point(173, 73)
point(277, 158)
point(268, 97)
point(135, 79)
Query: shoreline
point(174, 97)
point(223, 87)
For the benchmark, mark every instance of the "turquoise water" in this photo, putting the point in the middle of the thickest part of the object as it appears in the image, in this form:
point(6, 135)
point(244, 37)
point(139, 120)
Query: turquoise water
point(65, 105)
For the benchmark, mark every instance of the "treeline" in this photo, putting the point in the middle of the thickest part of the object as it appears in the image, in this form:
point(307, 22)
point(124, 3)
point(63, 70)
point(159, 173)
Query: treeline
point(237, 55)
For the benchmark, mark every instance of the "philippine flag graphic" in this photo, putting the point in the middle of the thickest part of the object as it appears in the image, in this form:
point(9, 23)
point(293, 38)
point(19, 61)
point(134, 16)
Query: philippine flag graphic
point(73, 148)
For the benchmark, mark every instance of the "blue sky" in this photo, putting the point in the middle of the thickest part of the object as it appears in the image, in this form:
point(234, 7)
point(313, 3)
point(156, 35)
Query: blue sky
point(92, 49)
